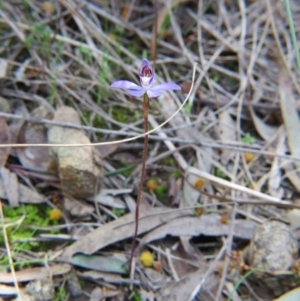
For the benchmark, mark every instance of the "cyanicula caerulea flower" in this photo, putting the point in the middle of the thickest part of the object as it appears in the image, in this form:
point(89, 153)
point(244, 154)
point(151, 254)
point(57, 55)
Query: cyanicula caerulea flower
point(146, 74)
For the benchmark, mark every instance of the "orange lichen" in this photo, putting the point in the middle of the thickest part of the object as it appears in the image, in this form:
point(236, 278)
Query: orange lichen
point(125, 10)
point(48, 8)
point(223, 219)
point(199, 183)
point(151, 185)
point(249, 157)
point(199, 211)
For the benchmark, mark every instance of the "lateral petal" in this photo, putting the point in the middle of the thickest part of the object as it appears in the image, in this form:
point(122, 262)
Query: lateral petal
point(136, 93)
point(125, 84)
point(167, 87)
point(153, 93)
point(159, 89)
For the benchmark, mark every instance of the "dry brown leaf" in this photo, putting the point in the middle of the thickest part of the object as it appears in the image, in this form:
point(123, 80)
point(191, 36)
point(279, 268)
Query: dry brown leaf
point(4, 105)
point(34, 157)
point(291, 173)
point(106, 277)
point(293, 216)
point(10, 184)
point(265, 131)
point(15, 125)
point(96, 294)
point(184, 288)
point(77, 208)
point(191, 195)
point(20, 73)
point(3, 68)
point(275, 175)
point(26, 195)
point(106, 150)
point(35, 273)
point(120, 229)
point(191, 250)
point(4, 139)
point(108, 197)
point(204, 225)
point(227, 133)
point(79, 168)
point(6, 290)
point(289, 113)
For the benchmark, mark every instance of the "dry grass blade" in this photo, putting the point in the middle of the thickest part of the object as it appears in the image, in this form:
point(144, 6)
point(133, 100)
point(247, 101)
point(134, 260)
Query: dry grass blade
point(289, 113)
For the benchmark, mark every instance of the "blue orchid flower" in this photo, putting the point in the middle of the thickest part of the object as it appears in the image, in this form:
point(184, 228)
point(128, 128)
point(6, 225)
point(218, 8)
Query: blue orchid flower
point(146, 75)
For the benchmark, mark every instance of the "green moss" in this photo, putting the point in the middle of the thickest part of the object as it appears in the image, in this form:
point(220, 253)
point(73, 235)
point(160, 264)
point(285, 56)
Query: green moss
point(60, 294)
point(220, 174)
point(125, 115)
point(215, 77)
point(248, 139)
point(176, 173)
point(118, 212)
point(33, 215)
point(136, 297)
point(120, 114)
point(161, 191)
point(169, 161)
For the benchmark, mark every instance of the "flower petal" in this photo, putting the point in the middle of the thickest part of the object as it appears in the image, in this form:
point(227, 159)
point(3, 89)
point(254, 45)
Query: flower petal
point(146, 74)
point(130, 87)
point(154, 93)
point(136, 93)
point(125, 84)
point(167, 87)
point(158, 90)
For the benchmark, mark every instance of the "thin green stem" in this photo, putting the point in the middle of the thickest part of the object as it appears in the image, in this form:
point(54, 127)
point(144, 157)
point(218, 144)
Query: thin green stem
point(293, 33)
point(140, 188)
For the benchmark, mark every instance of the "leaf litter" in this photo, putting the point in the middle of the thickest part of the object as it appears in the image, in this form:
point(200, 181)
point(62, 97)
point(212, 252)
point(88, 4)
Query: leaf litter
point(64, 58)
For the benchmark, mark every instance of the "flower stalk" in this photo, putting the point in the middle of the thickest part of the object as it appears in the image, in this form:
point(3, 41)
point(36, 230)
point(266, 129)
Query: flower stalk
point(148, 91)
point(142, 179)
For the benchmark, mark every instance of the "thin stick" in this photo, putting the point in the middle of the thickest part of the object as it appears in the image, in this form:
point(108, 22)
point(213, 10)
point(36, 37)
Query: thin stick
point(154, 49)
point(140, 188)
point(9, 255)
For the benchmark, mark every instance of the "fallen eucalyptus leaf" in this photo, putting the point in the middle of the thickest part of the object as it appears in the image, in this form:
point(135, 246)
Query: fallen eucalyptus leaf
point(120, 229)
point(26, 195)
point(293, 295)
point(4, 139)
point(35, 273)
point(113, 263)
point(289, 113)
point(10, 182)
point(227, 133)
point(208, 225)
point(265, 130)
